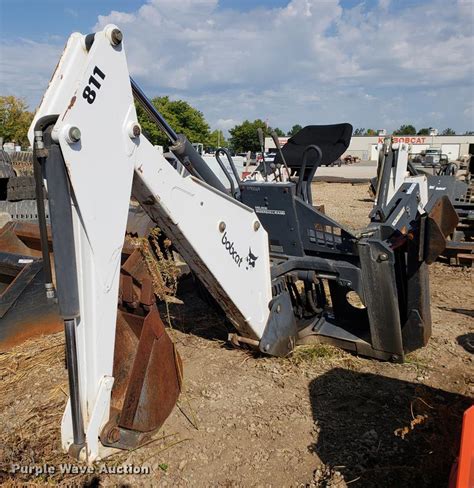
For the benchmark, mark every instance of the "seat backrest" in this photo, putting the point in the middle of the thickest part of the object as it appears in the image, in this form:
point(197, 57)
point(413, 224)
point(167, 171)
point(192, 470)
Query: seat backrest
point(333, 140)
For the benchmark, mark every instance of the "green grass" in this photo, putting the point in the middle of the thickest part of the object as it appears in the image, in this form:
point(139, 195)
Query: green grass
point(416, 360)
point(314, 352)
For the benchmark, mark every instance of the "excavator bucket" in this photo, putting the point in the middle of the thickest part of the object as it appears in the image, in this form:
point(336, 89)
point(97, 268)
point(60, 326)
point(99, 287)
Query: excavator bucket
point(441, 222)
point(147, 370)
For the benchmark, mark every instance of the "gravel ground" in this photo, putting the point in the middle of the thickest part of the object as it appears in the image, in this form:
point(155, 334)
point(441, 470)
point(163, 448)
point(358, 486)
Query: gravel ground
point(320, 418)
point(348, 204)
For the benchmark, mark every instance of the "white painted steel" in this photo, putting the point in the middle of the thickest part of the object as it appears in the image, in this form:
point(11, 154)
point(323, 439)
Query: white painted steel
point(400, 175)
point(99, 415)
point(218, 236)
point(214, 233)
point(66, 75)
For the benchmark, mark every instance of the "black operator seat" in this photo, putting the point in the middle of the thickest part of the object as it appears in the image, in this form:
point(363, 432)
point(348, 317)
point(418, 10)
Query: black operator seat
point(333, 140)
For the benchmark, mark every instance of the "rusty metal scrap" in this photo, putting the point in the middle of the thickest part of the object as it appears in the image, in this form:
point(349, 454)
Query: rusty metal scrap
point(153, 258)
point(26, 312)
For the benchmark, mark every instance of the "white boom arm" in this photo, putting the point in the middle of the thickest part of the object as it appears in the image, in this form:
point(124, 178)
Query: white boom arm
point(221, 239)
point(399, 174)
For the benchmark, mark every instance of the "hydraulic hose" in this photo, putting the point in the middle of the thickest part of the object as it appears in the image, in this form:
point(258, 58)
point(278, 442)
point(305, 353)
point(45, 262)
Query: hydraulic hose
point(37, 169)
point(151, 111)
point(180, 146)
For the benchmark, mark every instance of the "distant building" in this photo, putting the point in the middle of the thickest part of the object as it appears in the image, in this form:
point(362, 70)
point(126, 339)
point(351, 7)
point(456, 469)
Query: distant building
point(453, 146)
point(365, 147)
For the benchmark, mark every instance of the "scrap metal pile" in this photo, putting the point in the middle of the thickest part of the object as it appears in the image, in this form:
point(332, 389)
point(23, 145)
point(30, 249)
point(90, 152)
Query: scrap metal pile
point(457, 187)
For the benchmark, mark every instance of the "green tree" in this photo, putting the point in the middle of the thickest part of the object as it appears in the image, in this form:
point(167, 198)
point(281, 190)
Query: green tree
point(424, 132)
point(181, 116)
point(279, 132)
point(15, 120)
point(405, 130)
point(448, 132)
point(296, 128)
point(216, 139)
point(361, 131)
point(244, 137)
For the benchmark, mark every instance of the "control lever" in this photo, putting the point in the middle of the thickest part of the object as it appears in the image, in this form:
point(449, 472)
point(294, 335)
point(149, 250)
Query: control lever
point(262, 148)
point(223, 150)
point(277, 144)
point(305, 192)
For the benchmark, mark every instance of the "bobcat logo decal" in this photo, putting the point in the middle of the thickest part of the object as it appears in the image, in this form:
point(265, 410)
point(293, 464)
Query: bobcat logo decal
point(236, 257)
point(251, 258)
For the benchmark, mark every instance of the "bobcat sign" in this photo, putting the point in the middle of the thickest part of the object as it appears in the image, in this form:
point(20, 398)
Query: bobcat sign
point(405, 139)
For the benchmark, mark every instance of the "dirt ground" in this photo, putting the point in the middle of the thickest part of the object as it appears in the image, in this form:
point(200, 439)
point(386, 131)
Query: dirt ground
point(320, 418)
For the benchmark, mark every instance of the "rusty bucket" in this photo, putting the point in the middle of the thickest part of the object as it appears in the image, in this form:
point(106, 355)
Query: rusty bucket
point(148, 371)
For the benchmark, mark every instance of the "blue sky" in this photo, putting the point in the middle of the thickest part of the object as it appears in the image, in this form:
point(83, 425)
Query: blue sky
point(374, 63)
point(41, 19)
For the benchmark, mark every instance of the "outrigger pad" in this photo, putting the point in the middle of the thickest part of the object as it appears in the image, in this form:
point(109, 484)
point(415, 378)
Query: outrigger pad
point(148, 376)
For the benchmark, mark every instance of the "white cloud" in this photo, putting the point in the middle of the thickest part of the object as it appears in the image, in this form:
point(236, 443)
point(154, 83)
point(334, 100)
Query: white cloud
point(226, 124)
point(26, 68)
point(309, 62)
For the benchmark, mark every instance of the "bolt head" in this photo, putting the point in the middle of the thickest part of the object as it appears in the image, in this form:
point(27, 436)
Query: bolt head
point(383, 257)
point(222, 226)
point(74, 134)
point(116, 37)
point(256, 225)
point(136, 130)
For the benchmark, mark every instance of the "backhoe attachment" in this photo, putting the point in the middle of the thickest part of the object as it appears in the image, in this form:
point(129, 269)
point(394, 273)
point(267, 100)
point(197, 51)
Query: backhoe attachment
point(281, 270)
